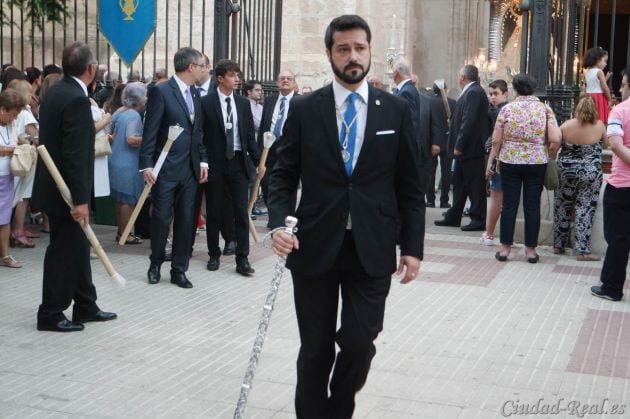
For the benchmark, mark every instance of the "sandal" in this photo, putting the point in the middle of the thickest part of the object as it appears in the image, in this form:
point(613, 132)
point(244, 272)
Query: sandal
point(21, 242)
point(586, 257)
point(10, 262)
point(132, 239)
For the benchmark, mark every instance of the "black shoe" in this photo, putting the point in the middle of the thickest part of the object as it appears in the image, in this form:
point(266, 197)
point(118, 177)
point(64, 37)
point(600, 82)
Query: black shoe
point(230, 248)
point(599, 292)
point(445, 223)
point(99, 316)
point(259, 211)
point(64, 325)
point(213, 263)
point(534, 259)
point(447, 205)
point(430, 205)
point(253, 217)
point(244, 268)
point(501, 258)
point(179, 279)
point(154, 274)
point(474, 227)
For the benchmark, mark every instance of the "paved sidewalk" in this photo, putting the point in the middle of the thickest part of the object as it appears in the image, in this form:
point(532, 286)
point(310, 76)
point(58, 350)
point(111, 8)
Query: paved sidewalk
point(471, 338)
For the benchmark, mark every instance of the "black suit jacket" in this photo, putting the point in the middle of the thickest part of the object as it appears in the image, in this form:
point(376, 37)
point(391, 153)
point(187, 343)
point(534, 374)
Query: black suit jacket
point(265, 125)
point(67, 130)
point(469, 124)
point(166, 107)
point(439, 124)
point(215, 139)
point(385, 188)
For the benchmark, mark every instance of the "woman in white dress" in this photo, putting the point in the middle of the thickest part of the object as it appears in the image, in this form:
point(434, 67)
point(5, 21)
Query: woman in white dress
point(27, 129)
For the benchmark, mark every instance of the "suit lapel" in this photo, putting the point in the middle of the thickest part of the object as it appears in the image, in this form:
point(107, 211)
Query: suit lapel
point(329, 118)
point(216, 101)
point(180, 99)
point(373, 115)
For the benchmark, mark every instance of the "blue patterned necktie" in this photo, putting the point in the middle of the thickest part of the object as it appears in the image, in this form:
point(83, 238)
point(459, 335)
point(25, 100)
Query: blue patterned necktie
point(277, 130)
point(189, 101)
point(349, 124)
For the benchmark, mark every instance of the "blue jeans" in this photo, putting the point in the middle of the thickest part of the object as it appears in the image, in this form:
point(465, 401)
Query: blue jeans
point(530, 177)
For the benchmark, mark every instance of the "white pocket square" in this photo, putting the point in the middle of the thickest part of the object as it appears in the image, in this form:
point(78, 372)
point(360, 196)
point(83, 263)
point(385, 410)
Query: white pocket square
point(386, 132)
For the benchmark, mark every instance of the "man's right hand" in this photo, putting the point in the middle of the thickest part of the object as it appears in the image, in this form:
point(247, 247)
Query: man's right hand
point(283, 243)
point(149, 178)
point(81, 214)
point(435, 150)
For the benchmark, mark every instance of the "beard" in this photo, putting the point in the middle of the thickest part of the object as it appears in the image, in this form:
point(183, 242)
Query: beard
point(353, 76)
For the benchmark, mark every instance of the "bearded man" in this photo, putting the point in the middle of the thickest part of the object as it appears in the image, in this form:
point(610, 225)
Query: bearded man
point(352, 147)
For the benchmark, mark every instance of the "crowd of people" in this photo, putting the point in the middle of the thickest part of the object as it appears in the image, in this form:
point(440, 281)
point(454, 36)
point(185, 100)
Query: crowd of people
point(364, 156)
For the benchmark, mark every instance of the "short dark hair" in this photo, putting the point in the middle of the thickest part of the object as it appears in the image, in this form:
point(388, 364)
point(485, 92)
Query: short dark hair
point(524, 84)
point(224, 66)
point(184, 57)
point(345, 23)
point(11, 74)
point(249, 85)
point(76, 58)
point(51, 69)
point(499, 84)
point(593, 56)
point(470, 72)
point(32, 74)
point(626, 72)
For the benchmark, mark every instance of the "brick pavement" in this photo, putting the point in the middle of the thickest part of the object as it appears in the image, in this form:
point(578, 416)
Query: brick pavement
point(472, 338)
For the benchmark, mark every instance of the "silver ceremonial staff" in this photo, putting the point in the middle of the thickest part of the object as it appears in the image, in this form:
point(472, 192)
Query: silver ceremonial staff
point(290, 223)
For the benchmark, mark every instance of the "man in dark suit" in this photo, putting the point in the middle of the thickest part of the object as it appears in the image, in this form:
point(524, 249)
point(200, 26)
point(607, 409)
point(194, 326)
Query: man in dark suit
point(230, 139)
point(275, 110)
point(467, 136)
point(175, 102)
point(67, 130)
point(352, 147)
point(439, 134)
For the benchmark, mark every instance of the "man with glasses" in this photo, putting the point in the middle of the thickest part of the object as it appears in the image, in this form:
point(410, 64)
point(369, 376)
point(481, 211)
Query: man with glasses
point(175, 102)
point(275, 110)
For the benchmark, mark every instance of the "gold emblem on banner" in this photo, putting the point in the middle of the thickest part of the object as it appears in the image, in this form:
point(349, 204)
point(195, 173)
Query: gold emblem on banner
point(129, 7)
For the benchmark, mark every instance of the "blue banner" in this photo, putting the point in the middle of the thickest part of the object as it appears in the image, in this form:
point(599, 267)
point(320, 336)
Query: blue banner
point(127, 25)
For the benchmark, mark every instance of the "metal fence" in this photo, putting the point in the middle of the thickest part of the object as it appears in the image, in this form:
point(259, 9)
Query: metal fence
point(253, 35)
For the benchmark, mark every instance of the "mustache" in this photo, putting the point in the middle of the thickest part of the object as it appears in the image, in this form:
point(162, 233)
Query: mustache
point(353, 64)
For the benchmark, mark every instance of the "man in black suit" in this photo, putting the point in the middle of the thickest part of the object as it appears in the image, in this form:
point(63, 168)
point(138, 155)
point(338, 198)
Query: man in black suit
point(439, 134)
point(467, 136)
point(67, 130)
point(175, 102)
point(352, 147)
point(230, 139)
point(275, 110)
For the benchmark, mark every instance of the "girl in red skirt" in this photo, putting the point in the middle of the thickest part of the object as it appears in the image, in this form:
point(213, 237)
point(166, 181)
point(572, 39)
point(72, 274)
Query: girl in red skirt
point(595, 60)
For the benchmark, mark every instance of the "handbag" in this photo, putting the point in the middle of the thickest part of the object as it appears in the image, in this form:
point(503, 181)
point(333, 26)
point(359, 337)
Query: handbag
point(552, 176)
point(102, 147)
point(23, 160)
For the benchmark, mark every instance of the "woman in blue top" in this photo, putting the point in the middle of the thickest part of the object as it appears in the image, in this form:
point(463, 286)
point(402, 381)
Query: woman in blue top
point(126, 182)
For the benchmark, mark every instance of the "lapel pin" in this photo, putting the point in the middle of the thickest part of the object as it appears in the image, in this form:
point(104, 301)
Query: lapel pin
point(378, 102)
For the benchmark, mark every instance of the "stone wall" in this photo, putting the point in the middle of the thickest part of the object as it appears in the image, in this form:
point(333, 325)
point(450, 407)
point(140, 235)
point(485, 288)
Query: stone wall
point(438, 35)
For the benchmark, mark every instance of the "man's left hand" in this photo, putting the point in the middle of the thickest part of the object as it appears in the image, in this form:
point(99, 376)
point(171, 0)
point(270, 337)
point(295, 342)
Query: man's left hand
point(203, 175)
point(457, 152)
point(411, 266)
